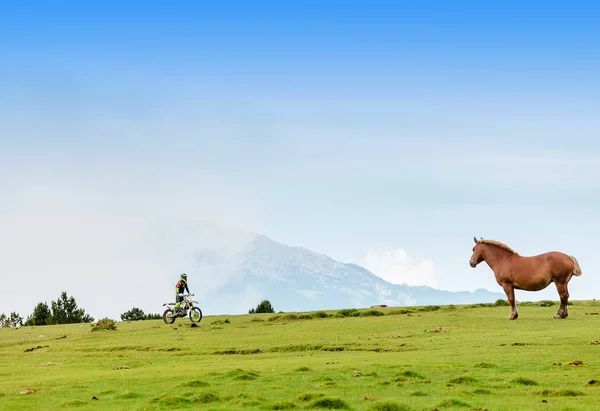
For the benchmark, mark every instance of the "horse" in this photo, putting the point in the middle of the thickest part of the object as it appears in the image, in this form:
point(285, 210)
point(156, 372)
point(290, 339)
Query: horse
point(529, 273)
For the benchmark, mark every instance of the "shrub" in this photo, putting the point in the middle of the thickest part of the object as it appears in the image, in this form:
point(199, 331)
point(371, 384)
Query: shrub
point(546, 303)
point(501, 303)
point(320, 314)
point(348, 312)
point(263, 307)
point(371, 313)
point(104, 324)
point(429, 308)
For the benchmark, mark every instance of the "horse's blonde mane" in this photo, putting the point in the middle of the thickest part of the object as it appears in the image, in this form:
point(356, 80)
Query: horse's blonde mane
point(499, 245)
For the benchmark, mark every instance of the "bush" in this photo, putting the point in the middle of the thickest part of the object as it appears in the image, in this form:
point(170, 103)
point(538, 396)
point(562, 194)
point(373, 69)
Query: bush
point(371, 313)
point(546, 303)
point(320, 314)
point(153, 316)
point(501, 303)
point(428, 308)
point(348, 312)
point(104, 324)
point(264, 307)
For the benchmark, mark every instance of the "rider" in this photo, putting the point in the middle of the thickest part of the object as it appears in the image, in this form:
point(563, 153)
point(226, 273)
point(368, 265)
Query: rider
point(179, 287)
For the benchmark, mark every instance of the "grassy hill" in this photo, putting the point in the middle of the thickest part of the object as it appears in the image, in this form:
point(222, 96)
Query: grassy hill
point(419, 358)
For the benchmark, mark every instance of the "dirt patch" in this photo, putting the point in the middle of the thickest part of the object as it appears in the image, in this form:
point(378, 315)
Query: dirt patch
point(27, 391)
point(577, 363)
point(594, 342)
point(36, 348)
point(592, 382)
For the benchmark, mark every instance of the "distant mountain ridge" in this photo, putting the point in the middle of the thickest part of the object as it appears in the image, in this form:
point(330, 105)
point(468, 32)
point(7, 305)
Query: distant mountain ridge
point(297, 279)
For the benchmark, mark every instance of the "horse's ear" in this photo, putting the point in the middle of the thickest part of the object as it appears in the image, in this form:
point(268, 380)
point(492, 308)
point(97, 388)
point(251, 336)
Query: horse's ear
point(476, 240)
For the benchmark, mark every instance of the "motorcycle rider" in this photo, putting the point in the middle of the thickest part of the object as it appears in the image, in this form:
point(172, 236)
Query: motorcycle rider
point(179, 287)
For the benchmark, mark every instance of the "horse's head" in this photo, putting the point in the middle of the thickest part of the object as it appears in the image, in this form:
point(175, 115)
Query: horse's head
point(477, 256)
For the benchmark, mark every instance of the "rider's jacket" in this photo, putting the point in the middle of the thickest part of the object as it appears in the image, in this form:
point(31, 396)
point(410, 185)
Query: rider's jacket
point(180, 286)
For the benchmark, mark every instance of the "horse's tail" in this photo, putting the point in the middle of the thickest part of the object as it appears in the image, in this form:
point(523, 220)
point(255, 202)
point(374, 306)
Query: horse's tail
point(576, 268)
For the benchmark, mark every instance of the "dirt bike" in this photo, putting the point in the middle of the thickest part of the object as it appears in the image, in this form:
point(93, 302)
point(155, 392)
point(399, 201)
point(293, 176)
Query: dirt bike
point(186, 305)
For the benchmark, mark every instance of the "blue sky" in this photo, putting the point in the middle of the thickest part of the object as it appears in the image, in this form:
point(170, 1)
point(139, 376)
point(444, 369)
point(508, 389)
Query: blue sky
point(366, 131)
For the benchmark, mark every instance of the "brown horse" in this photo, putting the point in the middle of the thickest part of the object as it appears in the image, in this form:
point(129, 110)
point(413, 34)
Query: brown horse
point(534, 273)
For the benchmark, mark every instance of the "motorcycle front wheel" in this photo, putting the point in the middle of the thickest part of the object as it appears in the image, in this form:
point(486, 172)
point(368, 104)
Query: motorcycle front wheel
point(196, 315)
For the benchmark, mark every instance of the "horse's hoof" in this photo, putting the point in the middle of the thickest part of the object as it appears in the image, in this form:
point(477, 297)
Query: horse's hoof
point(512, 317)
point(559, 317)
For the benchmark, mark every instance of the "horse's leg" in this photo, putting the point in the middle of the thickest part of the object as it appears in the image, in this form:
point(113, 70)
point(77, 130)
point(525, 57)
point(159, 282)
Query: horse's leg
point(509, 290)
point(563, 293)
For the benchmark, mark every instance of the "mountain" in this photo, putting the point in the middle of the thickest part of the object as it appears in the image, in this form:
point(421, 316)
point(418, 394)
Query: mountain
point(297, 279)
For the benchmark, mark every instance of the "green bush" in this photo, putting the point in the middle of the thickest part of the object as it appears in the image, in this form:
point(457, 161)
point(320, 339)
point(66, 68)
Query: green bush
point(104, 324)
point(348, 312)
point(501, 303)
point(371, 313)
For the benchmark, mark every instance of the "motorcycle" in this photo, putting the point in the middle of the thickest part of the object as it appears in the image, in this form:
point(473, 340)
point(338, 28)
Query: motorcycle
point(187, 305)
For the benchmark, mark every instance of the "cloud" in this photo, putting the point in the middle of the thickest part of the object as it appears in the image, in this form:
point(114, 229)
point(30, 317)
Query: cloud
point(397, 267)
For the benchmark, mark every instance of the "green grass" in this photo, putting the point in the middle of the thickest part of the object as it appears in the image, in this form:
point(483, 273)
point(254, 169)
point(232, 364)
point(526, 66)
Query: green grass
point(409, 358)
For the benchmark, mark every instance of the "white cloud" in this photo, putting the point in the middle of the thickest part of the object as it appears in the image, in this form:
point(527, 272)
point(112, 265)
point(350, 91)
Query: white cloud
point(397, 267)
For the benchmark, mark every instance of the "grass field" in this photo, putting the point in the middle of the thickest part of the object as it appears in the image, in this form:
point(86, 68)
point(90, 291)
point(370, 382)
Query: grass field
point(419, 358)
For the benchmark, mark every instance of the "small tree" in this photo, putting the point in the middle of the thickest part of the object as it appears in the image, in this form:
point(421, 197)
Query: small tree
point(3, 320)
point(14, 320)
point(41, 315)
point(135, 314)
point(65, 311)
point(153, 316)
point(264, 307)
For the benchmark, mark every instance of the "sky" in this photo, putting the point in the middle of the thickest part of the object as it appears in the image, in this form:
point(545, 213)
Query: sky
point(386, 134)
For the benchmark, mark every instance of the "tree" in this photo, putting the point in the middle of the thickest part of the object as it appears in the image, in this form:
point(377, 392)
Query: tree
point(11, 321)
point(135, 314)
point(264, 307)
point(41, 315)
point(65, 311)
